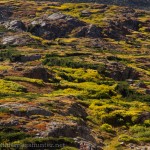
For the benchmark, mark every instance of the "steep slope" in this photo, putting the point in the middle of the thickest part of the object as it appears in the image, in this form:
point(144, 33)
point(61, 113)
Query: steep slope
point(74, 76)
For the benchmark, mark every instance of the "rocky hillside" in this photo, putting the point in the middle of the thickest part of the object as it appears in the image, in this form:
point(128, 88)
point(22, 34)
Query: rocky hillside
point(143, 4)
point(74, 76)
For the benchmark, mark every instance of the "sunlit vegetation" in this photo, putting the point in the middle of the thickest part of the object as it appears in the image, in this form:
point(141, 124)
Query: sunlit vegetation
point(77, 77)
point(8, 88)
point(24, 79)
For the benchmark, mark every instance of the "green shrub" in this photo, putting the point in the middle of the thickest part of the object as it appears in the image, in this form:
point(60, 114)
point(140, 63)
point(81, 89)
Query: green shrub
point(8, 87)
point(127, 139)
point(68, 62)
point(108, 128)
point(12, 136)
point(8, 53)
point(4, 110)
point(123, 89)
point(117, 118)
point(137, 129)
point(141, 133)
point(147, 123)
point(24, 79)
point(2, 29)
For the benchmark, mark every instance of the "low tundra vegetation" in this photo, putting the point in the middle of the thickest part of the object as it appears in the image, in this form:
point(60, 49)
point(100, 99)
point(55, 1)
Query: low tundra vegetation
point(78, 86)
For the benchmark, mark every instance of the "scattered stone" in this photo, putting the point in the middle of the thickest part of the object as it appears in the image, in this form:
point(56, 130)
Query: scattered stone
point(130, 81)
point(57, 16)
point(85, 13)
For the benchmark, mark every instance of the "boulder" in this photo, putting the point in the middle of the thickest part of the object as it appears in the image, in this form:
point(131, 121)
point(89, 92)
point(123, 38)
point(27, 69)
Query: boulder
point(32, 111)
point(71, 109)
point(26, 58)
point(131, 24)
point(54, 26)
point(25, 110)
point(76, 110)
point(88, 31)
point(85, 13)
point(57, 16)
point(37, 73)
point(119, 72)
point(9, 122)
point(15, 25)
point(21, 39)
point(68, 128)
point(5, 13)
point(115, 30)
point(119, 28)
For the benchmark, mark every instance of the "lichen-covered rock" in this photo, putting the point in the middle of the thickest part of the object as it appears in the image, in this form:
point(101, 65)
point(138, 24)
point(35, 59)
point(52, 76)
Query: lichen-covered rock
point(88, 31)
point(54, 26)
point(119, 72)
point(19, 109)
point(9, 122)
point(15, 25)
point(131, 24)
point(85, 13)
point(36, 73)
point(17, 39)
point(57, 16)
point(5, 13)
point(68, 128)
point(119, 28)
point(26, 58)
point(76, 110)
